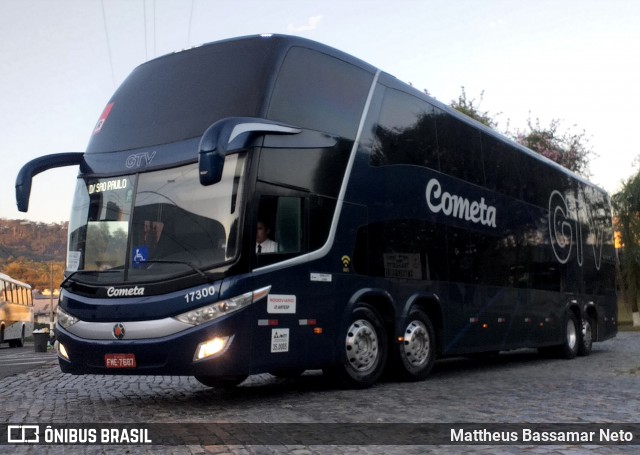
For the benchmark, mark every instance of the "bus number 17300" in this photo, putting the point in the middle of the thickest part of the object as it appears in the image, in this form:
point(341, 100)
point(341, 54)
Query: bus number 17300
point(200, 294)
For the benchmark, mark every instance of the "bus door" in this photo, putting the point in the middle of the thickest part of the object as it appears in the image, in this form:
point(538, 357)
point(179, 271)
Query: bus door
point(291, 321)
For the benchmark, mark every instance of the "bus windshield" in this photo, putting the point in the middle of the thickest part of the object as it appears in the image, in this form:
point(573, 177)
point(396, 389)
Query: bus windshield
point(150, 226)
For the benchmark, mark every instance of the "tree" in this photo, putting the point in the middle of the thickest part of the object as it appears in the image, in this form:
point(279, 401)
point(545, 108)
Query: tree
point(627, 207)
point(470, 109)
point(568, 149)
point(36, 274)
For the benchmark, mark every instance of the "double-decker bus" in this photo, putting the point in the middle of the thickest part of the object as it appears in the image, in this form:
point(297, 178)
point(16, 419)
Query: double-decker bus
point(16, 311)
point(270, 204)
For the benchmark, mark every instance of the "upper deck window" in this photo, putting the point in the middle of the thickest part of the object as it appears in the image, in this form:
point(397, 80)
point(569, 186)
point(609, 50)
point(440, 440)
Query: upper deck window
point(320, 92)
point(179, 96)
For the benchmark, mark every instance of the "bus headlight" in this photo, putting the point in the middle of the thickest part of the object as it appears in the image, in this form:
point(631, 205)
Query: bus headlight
point(62, 352)
point(65, 319)
point(210, 348)
point(221, 308)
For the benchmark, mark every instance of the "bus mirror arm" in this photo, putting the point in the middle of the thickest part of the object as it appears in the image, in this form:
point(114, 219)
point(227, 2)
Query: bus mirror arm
point(36, 166)
point(231, 135)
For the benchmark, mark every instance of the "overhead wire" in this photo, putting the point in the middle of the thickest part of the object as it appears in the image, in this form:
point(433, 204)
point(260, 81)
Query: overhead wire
point(144, 14)
point(106, 32)
point(190, 23)
point(154, 28)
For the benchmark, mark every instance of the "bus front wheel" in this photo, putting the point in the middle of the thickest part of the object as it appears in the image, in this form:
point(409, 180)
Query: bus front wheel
point(364, 350)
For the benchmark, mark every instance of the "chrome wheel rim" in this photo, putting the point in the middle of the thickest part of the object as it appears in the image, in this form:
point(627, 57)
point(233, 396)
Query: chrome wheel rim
point(572, 336)
point(417, 345)
point(362, 346)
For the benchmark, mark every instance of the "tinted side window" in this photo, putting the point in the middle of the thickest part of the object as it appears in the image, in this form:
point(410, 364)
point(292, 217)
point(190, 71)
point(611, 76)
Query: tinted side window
point(502, 166)
point(279, 227)
point(459, 148)
point(320, 92)
point(318, 170)
point(402, 249)
point(405, 132)
point(515, 173)
point(291, 225)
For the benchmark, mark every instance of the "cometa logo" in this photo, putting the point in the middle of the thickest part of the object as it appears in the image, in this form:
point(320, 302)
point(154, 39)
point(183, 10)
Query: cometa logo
point(124, 292)
point(458, 206)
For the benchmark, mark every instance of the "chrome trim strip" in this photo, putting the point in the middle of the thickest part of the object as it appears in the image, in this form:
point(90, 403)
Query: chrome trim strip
point(265, 127)
point(135, 330)
point(138, 330)
point(343, 190)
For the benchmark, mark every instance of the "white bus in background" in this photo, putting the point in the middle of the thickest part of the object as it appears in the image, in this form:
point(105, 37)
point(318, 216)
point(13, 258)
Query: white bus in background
point(16, 311)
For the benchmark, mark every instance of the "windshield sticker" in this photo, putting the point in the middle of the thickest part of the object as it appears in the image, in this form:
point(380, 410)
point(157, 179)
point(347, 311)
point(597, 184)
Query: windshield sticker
point(279, 340)
point(103, 118)
point(140, 255)
point(107, 185)
point(73, 260)
point(281, 304)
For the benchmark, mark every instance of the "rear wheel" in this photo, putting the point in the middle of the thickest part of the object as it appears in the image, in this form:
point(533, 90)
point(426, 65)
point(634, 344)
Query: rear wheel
point(586, 337)
point(364, 350)
point(416, 354)
point(569, 347)
point(221, 382)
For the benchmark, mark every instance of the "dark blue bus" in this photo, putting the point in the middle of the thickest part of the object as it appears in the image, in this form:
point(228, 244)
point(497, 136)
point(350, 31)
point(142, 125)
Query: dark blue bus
point(270, 204)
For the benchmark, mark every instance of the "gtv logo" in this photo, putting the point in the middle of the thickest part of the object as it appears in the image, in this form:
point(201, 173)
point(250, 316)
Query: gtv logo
point(139, 159)
point(567, 216)
point(23, 434)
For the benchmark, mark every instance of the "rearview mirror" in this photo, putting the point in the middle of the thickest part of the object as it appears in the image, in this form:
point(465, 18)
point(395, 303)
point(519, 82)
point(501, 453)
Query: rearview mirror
point(36, 166)
point(230, 135)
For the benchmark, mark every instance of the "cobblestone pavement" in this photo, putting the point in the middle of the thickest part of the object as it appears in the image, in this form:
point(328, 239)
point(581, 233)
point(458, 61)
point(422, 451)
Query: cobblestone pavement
point(519, 387)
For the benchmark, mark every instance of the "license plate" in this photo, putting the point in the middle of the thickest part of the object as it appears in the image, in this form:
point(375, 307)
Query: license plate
point(120, 360)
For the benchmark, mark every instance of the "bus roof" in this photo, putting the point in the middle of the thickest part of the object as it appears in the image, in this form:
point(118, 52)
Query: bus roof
point(272, 48)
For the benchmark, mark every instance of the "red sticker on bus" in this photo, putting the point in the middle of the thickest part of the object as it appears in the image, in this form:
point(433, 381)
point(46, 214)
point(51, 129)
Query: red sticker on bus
point(103, 118)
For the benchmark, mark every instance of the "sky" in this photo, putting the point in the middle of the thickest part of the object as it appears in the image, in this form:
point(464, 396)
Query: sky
point(575, 61)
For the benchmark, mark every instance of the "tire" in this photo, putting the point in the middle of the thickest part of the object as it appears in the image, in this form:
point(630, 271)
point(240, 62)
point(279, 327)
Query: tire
point(20, 341)
point(586, 337)
point(221, 382)
point(569, 348)
point(416, 354)
point(363, 350)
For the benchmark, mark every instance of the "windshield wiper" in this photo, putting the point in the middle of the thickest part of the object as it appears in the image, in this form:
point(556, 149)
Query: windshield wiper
point(162, 261)
point(87, 271)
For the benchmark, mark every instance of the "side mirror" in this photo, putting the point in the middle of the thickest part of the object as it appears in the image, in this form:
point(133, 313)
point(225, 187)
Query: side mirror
point(36, 166)
point(231, 135)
